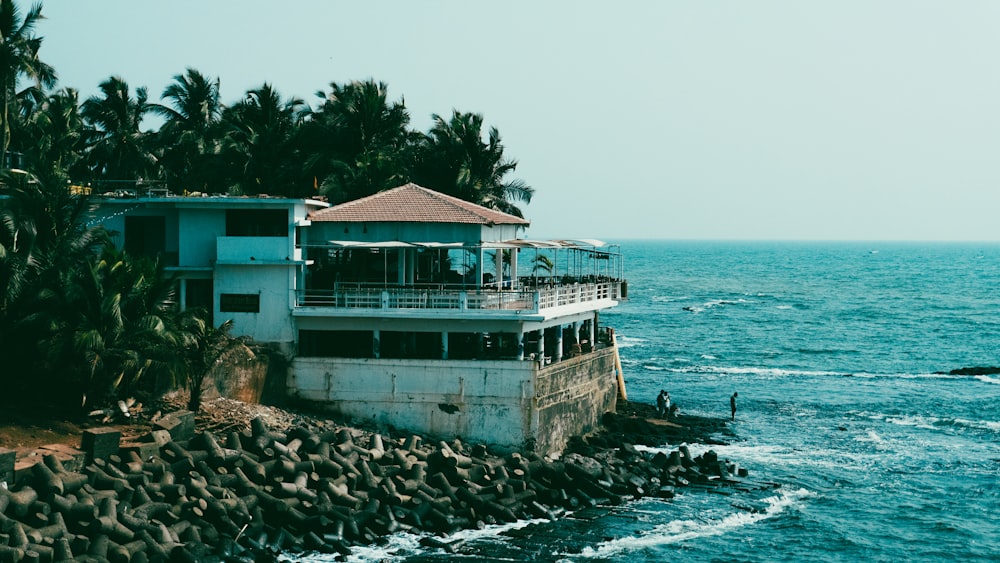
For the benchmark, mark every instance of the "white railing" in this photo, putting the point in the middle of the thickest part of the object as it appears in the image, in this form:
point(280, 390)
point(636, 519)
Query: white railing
point(529, 299)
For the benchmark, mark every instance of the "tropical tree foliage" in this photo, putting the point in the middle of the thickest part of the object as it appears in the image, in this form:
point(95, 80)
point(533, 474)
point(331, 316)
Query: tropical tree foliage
point(45, 242)
point(54, 130)
point(116, 324)
point(204, 347)
point(358, 141)
point(454, 159)
point(80, 316)
point(189, 139)
point(18, 59)
point(118, 149)
point(259, 147)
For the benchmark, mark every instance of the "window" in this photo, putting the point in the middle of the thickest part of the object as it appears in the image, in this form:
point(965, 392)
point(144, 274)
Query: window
point(239, 303)
point(257, 223)
point(145, 235)
point(336, 343)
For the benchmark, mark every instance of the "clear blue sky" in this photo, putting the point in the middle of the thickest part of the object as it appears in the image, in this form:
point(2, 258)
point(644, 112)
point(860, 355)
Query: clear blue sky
point(836, 120)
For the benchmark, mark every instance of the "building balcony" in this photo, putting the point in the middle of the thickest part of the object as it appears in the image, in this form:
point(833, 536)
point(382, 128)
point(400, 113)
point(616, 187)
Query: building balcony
point(437, 297)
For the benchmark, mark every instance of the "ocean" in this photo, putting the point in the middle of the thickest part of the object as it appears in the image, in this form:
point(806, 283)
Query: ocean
point(839, 353)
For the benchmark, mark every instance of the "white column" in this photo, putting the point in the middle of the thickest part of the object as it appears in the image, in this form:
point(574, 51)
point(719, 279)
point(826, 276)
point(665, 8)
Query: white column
point(513, 267)
point(498, 262)
point(559, 343)
point(401, 266)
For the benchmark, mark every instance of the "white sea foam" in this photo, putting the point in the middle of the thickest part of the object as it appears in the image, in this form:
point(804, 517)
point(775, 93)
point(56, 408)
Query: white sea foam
point(933, 422)
point(988, 379)
point(906, 375)
point(629, 341)
point(872, 437)
point(401, 546)
point(775, 455)
point(716, 303)
point(768, 372)
point(679, 531)
point(926, 422)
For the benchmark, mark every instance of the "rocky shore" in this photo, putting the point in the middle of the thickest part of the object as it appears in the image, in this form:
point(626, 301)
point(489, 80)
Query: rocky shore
point(187, 494)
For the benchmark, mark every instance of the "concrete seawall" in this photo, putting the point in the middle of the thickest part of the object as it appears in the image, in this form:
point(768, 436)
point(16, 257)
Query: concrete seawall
point(508, 403)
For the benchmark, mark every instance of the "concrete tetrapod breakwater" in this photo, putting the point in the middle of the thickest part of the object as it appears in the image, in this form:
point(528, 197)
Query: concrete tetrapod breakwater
point(253, 495)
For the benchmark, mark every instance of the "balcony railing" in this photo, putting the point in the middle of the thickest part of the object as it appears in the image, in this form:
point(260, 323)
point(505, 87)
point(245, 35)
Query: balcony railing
point(357, 296)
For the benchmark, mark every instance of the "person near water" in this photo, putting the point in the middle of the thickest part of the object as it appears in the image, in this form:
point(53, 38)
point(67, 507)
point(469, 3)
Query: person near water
point(732, 404)
point(666, 404)
point(661, 404)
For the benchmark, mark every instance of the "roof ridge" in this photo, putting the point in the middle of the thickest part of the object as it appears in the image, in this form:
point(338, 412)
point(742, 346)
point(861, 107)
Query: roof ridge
point(421, 205)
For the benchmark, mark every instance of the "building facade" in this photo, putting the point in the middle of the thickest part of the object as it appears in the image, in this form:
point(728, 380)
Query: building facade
point(408, 308)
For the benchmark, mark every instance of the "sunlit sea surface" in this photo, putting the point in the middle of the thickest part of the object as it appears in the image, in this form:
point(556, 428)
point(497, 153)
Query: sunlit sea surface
point(835, 350)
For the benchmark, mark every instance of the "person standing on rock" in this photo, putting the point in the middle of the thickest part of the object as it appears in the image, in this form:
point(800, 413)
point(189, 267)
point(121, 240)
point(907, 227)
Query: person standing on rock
point(732, 404)
point(661, 404)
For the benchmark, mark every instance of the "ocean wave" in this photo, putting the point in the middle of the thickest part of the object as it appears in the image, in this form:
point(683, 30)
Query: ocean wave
point(776, 455)
point(715, 303)
point(770, 372)
point(988, 379)
point(934, 422)
point(865, 375)
point(670, 298)
point(678, 531)
point(629, 341)
point(404, 545)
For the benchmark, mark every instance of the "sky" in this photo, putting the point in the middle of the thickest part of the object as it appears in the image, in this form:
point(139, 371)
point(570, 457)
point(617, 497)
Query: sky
point(752, 120)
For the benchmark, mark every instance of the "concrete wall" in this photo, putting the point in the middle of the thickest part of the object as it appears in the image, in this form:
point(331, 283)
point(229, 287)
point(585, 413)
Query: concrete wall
point(273, 283)
point(198, 229)
point(482, 401)
point(572, 396)
point(507, 403)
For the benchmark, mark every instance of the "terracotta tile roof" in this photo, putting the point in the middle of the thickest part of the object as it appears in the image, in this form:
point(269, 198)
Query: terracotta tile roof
point(411, 203)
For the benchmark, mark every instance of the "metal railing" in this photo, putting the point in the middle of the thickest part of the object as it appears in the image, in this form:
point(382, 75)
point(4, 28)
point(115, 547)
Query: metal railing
point(359, 296)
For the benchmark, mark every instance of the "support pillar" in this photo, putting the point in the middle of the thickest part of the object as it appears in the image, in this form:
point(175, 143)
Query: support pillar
point(498, 262)
point(376, 344)
point(444, 345)
point(559, 343)
point(183, 291)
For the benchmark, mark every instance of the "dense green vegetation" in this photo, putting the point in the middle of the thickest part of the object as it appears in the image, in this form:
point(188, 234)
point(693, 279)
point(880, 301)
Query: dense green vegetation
point(82, 322)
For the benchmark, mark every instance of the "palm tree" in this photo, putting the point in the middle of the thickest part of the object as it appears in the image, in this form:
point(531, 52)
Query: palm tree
point(18, 58)
point(189, 138)
point(53, 128)
point(114, 325)
point(360, 139)
point(117, 148)
point(44, 242)
point(258, 148)
point(454, 159)
point(203, 348)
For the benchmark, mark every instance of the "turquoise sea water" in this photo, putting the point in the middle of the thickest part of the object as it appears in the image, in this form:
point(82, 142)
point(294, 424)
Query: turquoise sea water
point(834, 349)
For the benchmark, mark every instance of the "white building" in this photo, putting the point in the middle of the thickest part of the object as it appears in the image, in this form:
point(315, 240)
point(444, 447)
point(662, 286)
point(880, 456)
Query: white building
point(408, 308)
